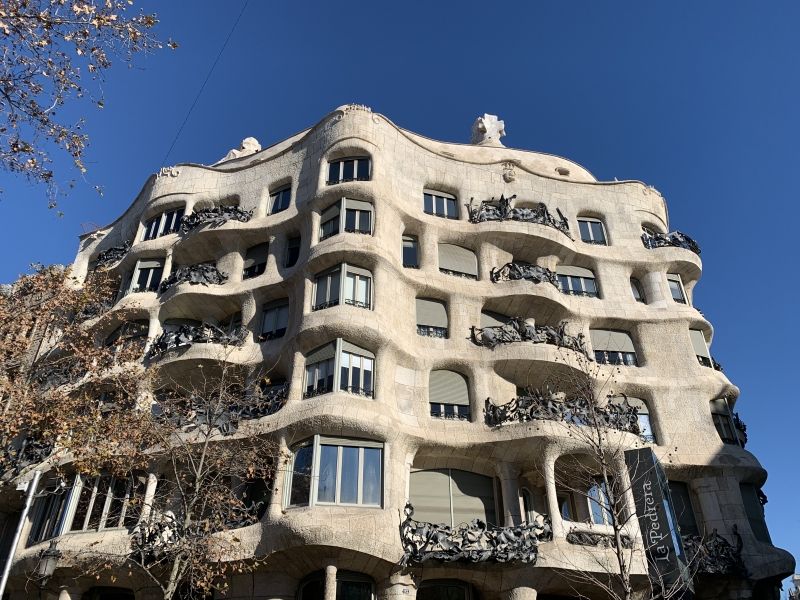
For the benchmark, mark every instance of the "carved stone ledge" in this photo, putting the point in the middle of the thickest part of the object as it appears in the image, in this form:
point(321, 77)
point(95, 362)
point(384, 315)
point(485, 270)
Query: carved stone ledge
point(714, 555)
point(112, 256)
point(573, 411)
point(184, 336)
point(518, 330)
point(514, 271)
point(470, 542)
point(201, 274)
point(502, 210)
point(600, 540)
point(675, 238)
point(216, 216)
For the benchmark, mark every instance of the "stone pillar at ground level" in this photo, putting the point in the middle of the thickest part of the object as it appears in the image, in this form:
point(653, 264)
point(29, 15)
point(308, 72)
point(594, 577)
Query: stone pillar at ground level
point(330, 582)
point(519, 593)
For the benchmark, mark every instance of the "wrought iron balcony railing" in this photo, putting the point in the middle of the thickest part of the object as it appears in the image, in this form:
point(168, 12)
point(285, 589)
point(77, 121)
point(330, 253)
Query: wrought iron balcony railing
point(708, 361)
point(216, 216)
point(502, 210)
point(202, 274)
point(581, 537)
point(357, 303)
point(714, 555)
point(537, 405)
point(326, 304)
point(184, 336)
point(23, 453)
point(741, 429)
point(606, 357)
point(518, 330)
point(112, 256)
point(267, 401)
point(521, 270)
point(431, 331)
point(675, 238)
point(473, 542)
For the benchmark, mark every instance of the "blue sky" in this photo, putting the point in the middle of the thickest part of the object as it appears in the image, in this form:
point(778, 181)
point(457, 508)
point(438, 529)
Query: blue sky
point(698, 99)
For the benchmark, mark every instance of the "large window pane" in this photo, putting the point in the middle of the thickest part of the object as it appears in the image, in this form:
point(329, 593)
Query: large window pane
point(347, 170)
point(326, 491)
point(301, 476)
point(363, 169)
point(371, 493)
point(348, 490)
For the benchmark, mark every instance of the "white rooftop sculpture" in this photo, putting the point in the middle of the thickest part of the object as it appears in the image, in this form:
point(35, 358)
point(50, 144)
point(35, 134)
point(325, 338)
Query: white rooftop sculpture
point(249, 146)
point(487, 131)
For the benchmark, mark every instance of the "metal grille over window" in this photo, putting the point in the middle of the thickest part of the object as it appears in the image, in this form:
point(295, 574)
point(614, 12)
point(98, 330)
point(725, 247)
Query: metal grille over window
point(440, 204)
point(279, 199)
point(410, 252)
point(349, 169)
point(700, 348)
point(676, 288)
point(458, 261)
point(431, 318)
point(577, 281)
point(275, 320)
point(448, 395)
point(255, 261)
point(613, 347)
point(592, 231)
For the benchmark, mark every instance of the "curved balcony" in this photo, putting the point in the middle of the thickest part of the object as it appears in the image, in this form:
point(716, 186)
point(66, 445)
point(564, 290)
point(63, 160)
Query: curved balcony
point(714, 555)
point(518, 330)
point(515, 271)
point(111, 256)
point(184, 336)
point(215, 216)
point(202, 274)
point(675, 239)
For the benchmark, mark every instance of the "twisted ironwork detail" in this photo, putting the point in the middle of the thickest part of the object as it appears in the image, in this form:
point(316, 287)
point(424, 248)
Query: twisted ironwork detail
point(202, 274)
point(741, 427)
point(600, 540)
point(674, 238)
point(537, 405)
point(19, 455)
point(517, 329)
point(714, 555)
point(513, 271)
point(265, 402)
point(472, 542)
point(502, 210)
point(112, 256)
point(184, 336)
point(216, 216)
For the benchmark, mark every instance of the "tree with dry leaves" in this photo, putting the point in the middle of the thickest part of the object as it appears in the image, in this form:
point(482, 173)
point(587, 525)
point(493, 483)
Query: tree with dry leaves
point(55, 54)
point(96, 413)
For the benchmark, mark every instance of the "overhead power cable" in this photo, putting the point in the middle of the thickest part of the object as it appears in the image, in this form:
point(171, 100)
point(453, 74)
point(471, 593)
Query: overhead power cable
point(205, 81)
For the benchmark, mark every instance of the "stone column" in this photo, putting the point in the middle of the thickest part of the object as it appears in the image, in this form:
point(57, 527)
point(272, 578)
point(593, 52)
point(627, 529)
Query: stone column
point(68, 593)
point(397, 587)
point(653, 288)
point(149, 495)
point(509, 483)
point(519, 593)
point(167, 265)
point(330, 582)
point(552, 495)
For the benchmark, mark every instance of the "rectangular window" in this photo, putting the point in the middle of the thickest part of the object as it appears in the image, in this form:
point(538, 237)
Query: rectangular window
point(723, 422)
point(613, 347)
point(578, 286)
point(592, 231)
point(355, 374)
point(452, 496)
point(440, 204)
point(357, 290)
point(700, 348)
point(279, 199)
point(676, 288)
point(410, 252)
point(329, 222)
point(255, 261)
point(147, 276)
point(349, 215)
point(292, 251)
point(326, 292)
point(151, 228)
point(636, 290)
point(358, 220)
point(346, 472)
point(349, 169)
point(346, 283)
point(599, 503)
point(275, 320)
point(682, 505)
point(755, 511)
point(48, 513)
point(107, 502)
point(172, 221)
point(458, 261)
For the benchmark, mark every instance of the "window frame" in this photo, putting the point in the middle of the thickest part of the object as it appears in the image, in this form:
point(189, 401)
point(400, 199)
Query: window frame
point(496, 493)
point(600, 502)
point(626, 358)
point(345, 206)
point(276, 332)
point(457, 412)
point(164, 223)
point(284, 191)
point(677, 279)
point(357, 175)
point(292, 250)
point(150, 286)
point(637, 291)
point(413, 240)
point(344, 270)
point(449, 204)
point(335, 376)
point(316, 442)
point(590, 230)
point(723, 421)
point(258, 268)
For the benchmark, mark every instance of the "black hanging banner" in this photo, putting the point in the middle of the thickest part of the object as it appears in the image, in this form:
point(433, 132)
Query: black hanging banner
point(662, 541)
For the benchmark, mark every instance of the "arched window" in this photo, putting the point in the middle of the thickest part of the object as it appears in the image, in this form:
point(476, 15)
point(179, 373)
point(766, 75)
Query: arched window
point(354, 168)
point(448, 394)
point(577, 281)
point(613, 347)
point(452, 496)
point(458, 261)
point(592, 231)
point(431, 318)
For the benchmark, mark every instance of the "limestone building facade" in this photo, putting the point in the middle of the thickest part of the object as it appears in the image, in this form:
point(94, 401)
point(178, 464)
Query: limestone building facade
point(409, 296)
